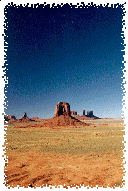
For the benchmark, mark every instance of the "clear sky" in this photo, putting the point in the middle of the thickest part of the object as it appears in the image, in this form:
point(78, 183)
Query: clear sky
point(64, 54)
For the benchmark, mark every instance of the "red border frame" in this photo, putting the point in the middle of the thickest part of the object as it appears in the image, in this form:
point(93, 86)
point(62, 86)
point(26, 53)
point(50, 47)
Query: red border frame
point(4, 78)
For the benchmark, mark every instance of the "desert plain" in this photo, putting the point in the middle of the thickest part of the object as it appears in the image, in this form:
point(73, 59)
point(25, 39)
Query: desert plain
point(69, 156)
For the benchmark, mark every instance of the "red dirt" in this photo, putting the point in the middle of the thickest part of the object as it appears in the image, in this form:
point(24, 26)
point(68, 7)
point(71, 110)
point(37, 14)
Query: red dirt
point(36, 169)
point(34, 118)
point(84, 117)
point(59, 121)
point(63, 121)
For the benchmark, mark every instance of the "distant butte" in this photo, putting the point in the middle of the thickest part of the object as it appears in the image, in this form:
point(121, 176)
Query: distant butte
point(63, 117)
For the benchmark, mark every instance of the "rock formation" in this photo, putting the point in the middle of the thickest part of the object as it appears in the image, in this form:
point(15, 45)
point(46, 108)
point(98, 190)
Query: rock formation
point(63, 117)
point(25, 118)
point(83, 112)
point(89, 116)
point(89, 113)
point(9, 118)
point(25, 115)
point(35, 118)
point(73, 112)
point(62, 108)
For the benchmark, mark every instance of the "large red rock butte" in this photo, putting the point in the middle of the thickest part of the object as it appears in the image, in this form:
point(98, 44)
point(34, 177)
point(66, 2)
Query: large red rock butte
point(63, 117)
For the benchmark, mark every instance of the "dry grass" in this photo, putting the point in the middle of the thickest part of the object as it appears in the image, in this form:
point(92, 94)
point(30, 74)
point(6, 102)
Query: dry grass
point(56, 156)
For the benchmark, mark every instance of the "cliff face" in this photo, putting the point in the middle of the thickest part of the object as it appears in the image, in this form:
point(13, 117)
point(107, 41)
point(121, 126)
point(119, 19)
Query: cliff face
point(62, 108)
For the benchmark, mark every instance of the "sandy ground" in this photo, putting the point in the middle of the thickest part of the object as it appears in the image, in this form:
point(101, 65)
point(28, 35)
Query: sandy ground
point(35, 167)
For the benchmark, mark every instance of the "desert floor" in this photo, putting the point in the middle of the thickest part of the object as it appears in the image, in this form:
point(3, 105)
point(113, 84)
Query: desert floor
point(68, 156)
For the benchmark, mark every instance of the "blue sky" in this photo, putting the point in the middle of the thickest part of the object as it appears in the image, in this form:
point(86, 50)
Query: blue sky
point(64, 54)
